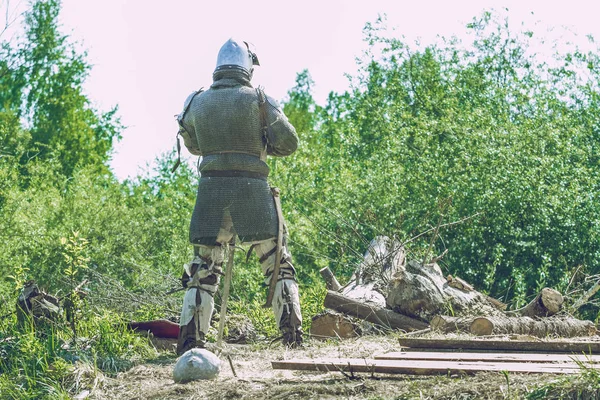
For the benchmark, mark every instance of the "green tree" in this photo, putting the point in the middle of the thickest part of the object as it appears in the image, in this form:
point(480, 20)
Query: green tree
point(41, 78)
point(454, 130)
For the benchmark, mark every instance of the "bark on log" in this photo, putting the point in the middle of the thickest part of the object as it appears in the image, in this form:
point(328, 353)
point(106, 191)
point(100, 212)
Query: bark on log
point(333, 325)
point(495, 302)
point(372, 313)
point(569, 327)
point(446, 323)
point(459, 283)
point(421, 291)
point(330, 281)
point(547, 303)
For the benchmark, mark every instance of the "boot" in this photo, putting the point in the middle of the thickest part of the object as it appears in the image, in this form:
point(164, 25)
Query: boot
point(292, 338)
point(190, 342)
point(292, 335)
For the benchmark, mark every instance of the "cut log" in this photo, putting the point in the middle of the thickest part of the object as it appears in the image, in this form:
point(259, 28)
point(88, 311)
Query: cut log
point(496, 357)
point(420, 367)
point(506, 345)
point(563, 327)
point(421, 291)
point(333, 325)
point(547, 303)
point(383, 258)
point(330, 281)
point(414, 289)
point(372, 313)
point(446, 323)
point(365, 293)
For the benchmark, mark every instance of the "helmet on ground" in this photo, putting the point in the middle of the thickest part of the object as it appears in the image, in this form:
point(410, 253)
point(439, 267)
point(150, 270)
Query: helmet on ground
point(236, 55)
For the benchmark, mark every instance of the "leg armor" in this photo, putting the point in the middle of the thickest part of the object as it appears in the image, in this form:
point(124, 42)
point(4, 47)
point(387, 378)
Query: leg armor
point(201, 278)
point(286, 301)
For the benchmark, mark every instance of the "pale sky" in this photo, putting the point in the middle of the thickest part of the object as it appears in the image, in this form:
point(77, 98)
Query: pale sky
point(149, 55)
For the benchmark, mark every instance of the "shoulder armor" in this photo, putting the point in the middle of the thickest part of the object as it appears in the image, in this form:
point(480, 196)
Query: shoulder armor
point(265, 98)
point(186, 104)
point(274, 103)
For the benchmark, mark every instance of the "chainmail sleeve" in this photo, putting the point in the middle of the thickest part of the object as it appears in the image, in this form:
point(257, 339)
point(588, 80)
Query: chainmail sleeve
point(190, 141)
point(282, 139)
point(185, 130)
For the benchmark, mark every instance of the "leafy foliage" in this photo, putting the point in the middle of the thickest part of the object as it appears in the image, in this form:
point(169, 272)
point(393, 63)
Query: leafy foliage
point(41, 79)
point(488, 130)
point(487, 140)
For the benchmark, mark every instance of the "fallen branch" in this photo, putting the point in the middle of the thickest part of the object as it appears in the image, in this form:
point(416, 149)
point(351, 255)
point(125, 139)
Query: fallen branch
point(583, 299)
point(416, 333)
point(460, 221)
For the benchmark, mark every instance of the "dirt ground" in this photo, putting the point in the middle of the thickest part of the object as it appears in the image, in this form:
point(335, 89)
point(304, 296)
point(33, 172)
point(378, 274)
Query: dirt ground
point(257, 380)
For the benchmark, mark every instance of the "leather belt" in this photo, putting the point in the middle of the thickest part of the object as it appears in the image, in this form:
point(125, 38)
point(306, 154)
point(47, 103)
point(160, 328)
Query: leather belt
point(233, 174)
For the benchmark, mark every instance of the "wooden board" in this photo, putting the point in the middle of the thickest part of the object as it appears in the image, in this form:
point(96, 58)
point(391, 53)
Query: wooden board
point(508, 345)
point(421, 367)
point(495, 357)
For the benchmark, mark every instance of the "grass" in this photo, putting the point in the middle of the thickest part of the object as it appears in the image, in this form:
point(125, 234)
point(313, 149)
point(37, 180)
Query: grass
point(585, 386)
point(46, 362)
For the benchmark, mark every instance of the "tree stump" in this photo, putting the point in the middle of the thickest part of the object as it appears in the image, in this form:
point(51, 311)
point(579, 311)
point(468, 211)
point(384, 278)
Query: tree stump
point(333, 325)
point(37, 305)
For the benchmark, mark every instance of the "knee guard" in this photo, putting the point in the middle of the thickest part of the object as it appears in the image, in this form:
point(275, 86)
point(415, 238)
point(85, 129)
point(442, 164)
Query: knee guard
point(201, 282)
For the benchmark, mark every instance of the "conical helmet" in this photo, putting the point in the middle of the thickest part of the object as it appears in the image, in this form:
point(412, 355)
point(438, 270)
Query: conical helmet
point(235, 55)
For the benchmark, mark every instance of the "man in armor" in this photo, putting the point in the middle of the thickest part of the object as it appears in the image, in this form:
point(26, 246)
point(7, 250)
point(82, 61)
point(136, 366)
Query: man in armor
point(233, 127)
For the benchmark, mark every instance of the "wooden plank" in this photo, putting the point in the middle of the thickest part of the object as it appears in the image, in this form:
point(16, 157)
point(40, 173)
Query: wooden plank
point(507, 345)
point(421, 367)
point(496, 357)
